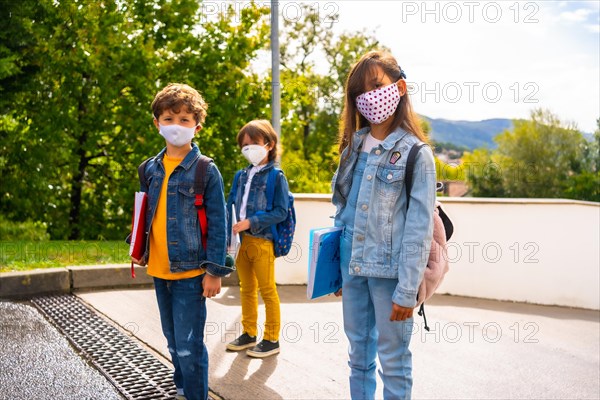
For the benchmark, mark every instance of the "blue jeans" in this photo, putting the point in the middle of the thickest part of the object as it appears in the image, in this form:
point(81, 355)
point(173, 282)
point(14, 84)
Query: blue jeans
point(367, 305)
point(183, 316)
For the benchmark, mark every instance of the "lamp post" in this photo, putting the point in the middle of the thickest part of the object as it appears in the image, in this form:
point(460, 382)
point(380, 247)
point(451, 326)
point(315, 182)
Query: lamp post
point(275, 84)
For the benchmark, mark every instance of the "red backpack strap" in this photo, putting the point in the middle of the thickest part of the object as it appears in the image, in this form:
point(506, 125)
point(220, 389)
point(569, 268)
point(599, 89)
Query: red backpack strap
point(199, 186)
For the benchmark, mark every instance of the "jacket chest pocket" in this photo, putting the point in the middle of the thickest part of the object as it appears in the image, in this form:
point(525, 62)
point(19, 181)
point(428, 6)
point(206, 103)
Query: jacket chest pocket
point(154, 181)
point(257, 200)
point(186, 198)
point(389, 181)
point(258, 185)
point(187, 215)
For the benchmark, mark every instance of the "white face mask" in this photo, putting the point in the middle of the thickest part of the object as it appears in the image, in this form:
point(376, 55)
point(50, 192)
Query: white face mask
point(379, 104)
point(177, 135)
point(254, 153)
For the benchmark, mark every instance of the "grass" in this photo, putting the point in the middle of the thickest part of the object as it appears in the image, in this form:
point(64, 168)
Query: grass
point(28, 255)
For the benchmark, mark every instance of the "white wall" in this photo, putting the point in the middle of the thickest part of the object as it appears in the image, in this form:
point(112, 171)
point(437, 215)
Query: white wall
point(527, 250)
point(312, 211)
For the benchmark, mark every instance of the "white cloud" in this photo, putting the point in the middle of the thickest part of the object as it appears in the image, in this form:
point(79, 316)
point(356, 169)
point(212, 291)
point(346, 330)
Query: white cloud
point(487, 64)
point(500, 69)
point(593, 28)
point(578, 15)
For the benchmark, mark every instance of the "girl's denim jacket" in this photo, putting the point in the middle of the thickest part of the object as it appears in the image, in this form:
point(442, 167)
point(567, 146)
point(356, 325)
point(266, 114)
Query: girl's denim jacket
point(388, 240)
point(183, 229)
point(260, 220)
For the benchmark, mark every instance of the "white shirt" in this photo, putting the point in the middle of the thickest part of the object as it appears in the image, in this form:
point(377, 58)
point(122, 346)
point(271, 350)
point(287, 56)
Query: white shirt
point(370, 142)
point(251, 174)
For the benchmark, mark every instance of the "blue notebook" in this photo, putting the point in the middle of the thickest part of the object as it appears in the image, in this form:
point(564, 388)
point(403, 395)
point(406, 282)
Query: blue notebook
point(324, 274)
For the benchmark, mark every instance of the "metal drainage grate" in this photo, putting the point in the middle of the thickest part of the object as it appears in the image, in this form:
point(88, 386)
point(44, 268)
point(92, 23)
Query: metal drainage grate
point(135, 372)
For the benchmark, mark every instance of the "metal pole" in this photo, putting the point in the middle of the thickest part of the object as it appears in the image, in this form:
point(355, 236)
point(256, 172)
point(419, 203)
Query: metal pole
point(275, 84)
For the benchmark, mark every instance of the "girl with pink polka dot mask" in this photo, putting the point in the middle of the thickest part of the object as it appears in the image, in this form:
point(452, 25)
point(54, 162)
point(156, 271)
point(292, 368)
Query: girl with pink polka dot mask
point(382, 248)
point(379, 104)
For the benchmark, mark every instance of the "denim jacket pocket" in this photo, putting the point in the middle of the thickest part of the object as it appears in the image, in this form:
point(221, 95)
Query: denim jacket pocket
point(154, 180)
point(188, 216)
point(187, 197)
point(390, 181)
point(260, 196)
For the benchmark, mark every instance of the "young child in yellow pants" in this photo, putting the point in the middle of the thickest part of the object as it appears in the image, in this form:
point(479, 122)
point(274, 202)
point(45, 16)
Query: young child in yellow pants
point(256, 259)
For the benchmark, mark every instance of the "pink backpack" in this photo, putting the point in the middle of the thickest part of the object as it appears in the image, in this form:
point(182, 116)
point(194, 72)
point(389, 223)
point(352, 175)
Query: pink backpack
point(437, 265)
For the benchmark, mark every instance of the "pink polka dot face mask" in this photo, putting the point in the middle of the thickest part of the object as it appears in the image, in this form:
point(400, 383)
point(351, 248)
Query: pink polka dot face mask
point(379, 104)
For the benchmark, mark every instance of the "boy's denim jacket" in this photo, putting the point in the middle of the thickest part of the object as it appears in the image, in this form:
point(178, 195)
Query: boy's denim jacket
point(260, 220)
point(183, 229)
point(389, 241)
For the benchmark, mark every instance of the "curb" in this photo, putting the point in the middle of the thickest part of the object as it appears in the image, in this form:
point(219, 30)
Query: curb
point(35, 282)
point(23, 285)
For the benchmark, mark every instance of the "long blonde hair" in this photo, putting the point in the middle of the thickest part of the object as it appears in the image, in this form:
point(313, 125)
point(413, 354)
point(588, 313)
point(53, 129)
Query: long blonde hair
point(351, 120)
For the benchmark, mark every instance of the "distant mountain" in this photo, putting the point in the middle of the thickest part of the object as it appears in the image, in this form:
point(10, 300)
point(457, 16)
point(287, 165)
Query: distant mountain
point(471, 134)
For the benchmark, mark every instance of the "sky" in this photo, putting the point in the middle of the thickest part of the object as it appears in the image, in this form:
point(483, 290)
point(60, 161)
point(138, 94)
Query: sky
point(474, 60)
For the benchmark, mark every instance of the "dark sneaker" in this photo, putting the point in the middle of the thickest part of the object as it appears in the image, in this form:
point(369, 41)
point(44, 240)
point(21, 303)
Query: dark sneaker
point(241, 343)
point(265, 348)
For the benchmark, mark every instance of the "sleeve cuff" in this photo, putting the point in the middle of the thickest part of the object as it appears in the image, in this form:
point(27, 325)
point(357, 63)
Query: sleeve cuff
point(254, 228)
point(217, 270)
point(405, 299)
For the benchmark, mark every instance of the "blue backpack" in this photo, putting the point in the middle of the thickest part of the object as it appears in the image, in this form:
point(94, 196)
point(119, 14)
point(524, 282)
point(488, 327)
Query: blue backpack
point(283, 232)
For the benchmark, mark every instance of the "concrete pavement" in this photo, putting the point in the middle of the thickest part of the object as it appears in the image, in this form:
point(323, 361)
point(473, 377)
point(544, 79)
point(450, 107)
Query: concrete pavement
point(476, 349)
point(37, 362)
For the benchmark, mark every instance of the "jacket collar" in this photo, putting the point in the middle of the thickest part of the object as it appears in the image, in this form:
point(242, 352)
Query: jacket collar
point(393, 138)
point(389, 142)
point(359, 137)
point(268, 166)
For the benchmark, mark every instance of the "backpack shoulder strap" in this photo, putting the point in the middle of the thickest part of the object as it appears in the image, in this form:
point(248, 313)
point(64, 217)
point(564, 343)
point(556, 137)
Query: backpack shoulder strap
point(142, 171)
point(448, 225)
point(200, 176)
point(410, 168)
point(271, 181)
point(199, 186)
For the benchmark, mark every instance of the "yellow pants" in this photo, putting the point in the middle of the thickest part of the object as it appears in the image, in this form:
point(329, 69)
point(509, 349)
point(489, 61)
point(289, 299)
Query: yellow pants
point(256, 270)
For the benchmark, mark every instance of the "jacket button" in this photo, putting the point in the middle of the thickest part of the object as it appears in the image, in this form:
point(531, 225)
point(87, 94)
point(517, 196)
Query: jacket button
point(191, 190)
point(377, 152)
point(356, 269)
point(389, 176)
point(364, 207)
point(360, 238)
point(369, 177)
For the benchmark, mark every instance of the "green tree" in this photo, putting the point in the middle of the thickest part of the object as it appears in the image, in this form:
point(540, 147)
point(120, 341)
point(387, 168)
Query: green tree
point(586, 183)
point(78, 78)
point(540, 157)
point(312, 100)
point(483, 170)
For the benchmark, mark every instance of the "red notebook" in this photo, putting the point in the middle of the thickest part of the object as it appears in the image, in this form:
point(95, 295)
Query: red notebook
point(138, 228)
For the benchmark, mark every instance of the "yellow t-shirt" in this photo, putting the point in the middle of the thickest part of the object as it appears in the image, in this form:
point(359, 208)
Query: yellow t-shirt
point(158, 263)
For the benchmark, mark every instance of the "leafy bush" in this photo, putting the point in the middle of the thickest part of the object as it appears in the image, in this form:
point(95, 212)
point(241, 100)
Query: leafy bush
point(28, 230)
point(541, 157)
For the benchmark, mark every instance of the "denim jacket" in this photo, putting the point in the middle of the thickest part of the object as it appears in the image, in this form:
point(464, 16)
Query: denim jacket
point(183, 229)
point(389, 241)
point(260, 220)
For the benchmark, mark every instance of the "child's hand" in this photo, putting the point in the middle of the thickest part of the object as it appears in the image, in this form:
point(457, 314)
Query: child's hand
point(141, 262)
point(338, 293)
point(211, 285)
point(400, 313)
point(241, 226)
